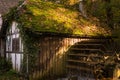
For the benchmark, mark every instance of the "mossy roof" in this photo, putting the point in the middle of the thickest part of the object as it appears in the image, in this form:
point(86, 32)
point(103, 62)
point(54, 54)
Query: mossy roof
point(47, 16)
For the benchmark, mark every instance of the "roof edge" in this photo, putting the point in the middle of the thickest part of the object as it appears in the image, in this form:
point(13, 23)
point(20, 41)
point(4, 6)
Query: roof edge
point(69, 35)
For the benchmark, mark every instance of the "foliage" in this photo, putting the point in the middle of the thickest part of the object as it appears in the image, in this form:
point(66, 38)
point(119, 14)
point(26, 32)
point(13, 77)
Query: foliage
point(6, 71)
point(116, 32)
point(98, 8)
point(116, 12)
point(9, 75)
point(5, 65)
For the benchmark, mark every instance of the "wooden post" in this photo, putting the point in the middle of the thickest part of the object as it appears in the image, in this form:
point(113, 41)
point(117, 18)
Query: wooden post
point(27, 67)
point(2, 48)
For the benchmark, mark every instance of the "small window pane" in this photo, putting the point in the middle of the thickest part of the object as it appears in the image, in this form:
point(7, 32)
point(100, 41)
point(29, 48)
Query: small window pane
point(15, 45)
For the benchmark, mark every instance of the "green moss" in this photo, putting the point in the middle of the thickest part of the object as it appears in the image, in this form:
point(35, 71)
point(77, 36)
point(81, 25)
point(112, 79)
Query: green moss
point(48, 17)
point(51, 17)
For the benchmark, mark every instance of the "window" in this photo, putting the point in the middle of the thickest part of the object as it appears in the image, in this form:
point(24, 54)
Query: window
point(13, 42)
point(14, 46)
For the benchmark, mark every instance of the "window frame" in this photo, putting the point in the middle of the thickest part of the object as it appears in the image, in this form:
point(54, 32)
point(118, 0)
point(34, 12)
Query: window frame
point(13, 33)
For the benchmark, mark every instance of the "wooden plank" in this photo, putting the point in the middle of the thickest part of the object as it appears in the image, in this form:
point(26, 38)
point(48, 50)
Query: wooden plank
point(87, 62)
point(97, 44)
point(88, 49)
point(96, 40)
point(79, 68)
point(85, 55)
point(91, 44)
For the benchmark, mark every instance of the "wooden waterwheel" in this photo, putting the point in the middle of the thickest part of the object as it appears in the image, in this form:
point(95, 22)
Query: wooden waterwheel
point(87, 59)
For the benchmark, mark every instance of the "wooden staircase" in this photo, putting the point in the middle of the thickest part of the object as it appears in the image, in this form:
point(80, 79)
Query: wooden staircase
point(86, 57)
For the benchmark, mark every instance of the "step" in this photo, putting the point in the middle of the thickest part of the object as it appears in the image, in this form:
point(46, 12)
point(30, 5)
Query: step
point(94, 41)
point(79, 68)
point(101, 46)
point(85, 55)
point(63, 79)
point(96, 44)
point(87, 49)
point(81, 61)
